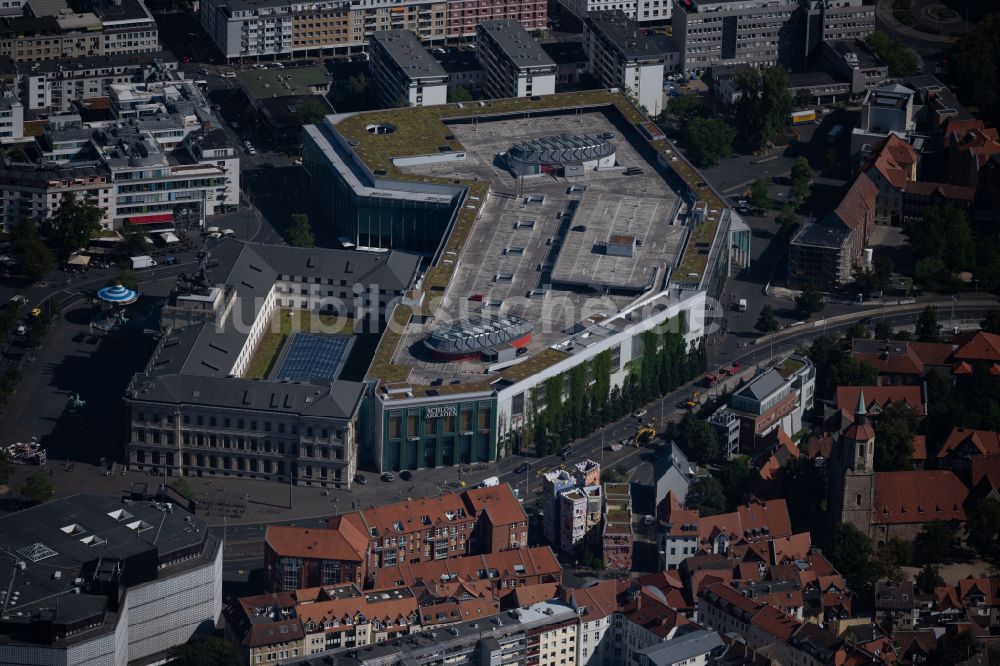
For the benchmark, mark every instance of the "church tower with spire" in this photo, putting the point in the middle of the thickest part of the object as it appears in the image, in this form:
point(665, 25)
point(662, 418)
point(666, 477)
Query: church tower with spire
point(852, 472)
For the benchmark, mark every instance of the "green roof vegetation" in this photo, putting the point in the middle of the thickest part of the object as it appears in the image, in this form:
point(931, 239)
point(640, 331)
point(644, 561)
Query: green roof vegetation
point(788, 366)
point(284, 322)
point(290, 82)
point(423, 131)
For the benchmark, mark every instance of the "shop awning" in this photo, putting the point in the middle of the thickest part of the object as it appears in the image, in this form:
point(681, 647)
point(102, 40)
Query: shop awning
point(78, 260)
point(169, 238)
point(152, 219)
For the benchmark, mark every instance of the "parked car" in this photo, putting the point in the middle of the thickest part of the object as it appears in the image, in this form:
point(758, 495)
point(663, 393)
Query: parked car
point(169, 260)
point(522, 468)
point(406, 475)
point(360, 479)
point(388, 476)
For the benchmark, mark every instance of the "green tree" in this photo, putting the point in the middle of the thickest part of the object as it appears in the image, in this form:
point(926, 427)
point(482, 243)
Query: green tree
point(934, 542)
point(616, 474)
point(901, 60)
point(299, 233)
point(992, 322)
point(6, 469)
point(928, 329)
point(929, 578)
point(933, 274)
point(706, 496)
point(460, 94)
point(32, 255)
point(766, 322)
point(708, 140)
point(73, 224)
point(874, 279)
point(311, 111)
point(134, 241)
point(975, 67)
point(801, 179)
point(679, 111)
point(944, 233)
point(953, 649)
point(733, 476)
point(787, 221)
point(698, 439)
point(37, 488)
point(762, 107)
point(835, 367)
point(883, 330)
point(209, 651)
point(850, 551)
point(809, 302)
point(183, 489)
point(758, 194)
point(895, 430)
point(982, 530)
point(126, 278)
point(830, 159)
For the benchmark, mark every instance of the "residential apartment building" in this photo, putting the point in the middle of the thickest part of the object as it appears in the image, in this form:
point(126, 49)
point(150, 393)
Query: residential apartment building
point(11, 117)
point(134, 581)
point(617, 535)
point(554, 483)
point(403, 71)
point(252, 28)
point(53, 85)
point(110, 28)
point(621, 56)
point(465, 15)
point(192, 409)
point(354, 546)
point(643, 11)
point(579, 516)
point(762, 33)
point(514, 65)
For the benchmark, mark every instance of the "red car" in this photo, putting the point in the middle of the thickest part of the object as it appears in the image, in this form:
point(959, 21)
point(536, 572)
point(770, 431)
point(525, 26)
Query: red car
point(186, 59)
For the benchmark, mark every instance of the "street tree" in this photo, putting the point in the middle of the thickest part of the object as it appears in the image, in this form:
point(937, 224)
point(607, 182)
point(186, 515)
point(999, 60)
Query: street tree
point(708, 140)
point(310, 111)
point(733, 475)
point(762, 107)
point(901, 60)
point(928, 578)
point(460, 94)
point(801, 179)
point(705, 495)
point(72, 225)
point(830, 159)
point(934, 543)
point(679, 111)
point(883, 330)
point(945, 234)
point(32, 255)
point(927, 328)
point(895, 432)
point(982, 529)
point(787, 222)
point(766, 322)
point(758, 194)
point(698, 439)
point(850, 551)
point(126, 278)
point(975, 67)
point(37, 488)
point(299, 232)
point(809, 302)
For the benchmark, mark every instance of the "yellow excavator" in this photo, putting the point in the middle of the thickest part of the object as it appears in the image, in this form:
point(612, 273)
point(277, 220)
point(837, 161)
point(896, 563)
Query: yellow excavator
point(644, 435)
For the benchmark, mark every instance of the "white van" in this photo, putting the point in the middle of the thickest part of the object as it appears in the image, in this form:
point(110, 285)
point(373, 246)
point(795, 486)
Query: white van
point(490, 482)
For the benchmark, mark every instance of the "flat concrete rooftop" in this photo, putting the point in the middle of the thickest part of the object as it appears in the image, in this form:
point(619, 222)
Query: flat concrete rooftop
point(526, 257)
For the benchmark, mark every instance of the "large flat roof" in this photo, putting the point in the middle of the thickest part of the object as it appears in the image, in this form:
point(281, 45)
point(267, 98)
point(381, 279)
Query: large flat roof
point(424, 130)
point(547, 240)
point(624, 33)
point(287, 82)
point(408, 53)
point(516, 43)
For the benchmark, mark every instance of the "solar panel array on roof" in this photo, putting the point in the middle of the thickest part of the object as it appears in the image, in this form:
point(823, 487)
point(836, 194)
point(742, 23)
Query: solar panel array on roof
point(310, 356)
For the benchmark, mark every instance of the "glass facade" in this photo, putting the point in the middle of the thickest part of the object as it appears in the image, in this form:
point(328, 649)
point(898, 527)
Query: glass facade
point(439, 435)
point(372, 221)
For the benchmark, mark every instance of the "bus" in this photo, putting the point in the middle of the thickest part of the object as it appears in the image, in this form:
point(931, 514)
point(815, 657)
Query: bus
point(801, 117)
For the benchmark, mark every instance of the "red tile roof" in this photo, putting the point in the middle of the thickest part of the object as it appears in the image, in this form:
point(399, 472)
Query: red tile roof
point(857, 202)
point(932, 353)
point(530, 594)
point(944, 190)
point(877, 397)
point(980, 442)
point(986, 468)
point(791, 548)
point(308, 542)
point(973, 136)
point(508, 564)
point(919, 448)
point(893, 159)
point(918, 497)
point(982, 347)
point(752, 520)
point(776, 623)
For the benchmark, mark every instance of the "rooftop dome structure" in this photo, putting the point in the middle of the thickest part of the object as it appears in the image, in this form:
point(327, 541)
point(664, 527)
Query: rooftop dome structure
point(537, 155)
point(473, 336)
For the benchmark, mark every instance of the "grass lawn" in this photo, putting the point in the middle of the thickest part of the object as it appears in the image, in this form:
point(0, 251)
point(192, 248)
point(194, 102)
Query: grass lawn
point(284, 322)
